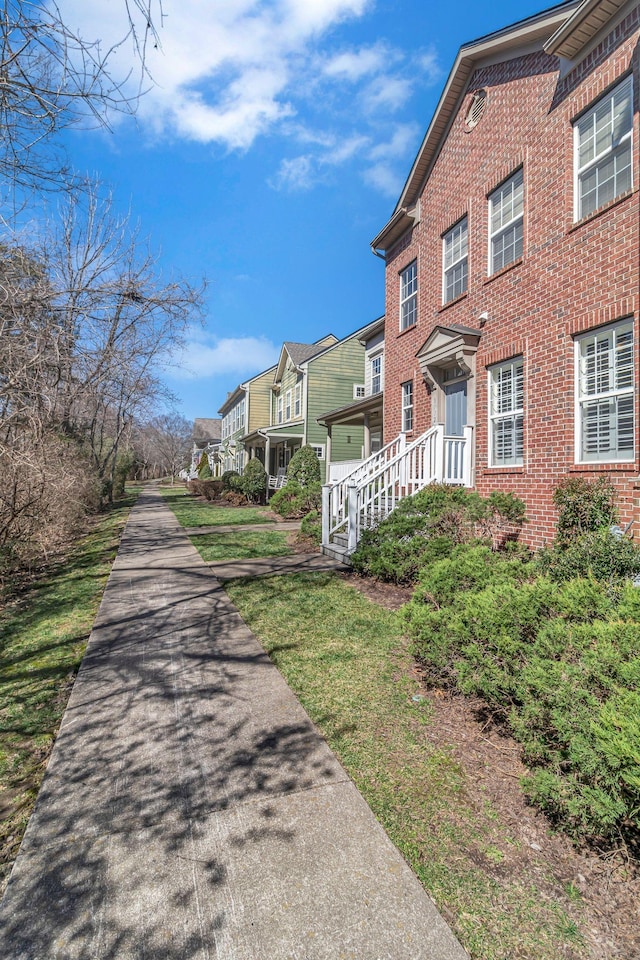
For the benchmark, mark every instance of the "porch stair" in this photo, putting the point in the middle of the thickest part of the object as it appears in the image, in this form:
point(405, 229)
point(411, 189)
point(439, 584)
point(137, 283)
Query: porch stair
point(370, 492)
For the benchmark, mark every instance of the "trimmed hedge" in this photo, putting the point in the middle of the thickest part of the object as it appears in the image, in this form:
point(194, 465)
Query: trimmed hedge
point(294, 501)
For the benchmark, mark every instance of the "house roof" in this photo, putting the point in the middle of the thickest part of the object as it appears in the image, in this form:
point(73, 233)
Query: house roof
point(582, 26)
point(532, 33)
point(206, 429)
point(299, 352)
point(353, 412)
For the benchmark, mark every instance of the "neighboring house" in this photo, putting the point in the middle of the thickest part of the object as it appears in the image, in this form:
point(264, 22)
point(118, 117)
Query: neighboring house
point(512, 272)
point(366, 409)
point(246, 408)
point(307, 379)
point(206, 441)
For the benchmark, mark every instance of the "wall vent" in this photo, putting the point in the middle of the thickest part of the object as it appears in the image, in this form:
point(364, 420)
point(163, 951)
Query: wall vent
point(476, 109)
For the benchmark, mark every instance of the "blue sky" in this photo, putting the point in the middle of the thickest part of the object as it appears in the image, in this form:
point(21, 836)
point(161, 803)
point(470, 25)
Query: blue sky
point(269, 151)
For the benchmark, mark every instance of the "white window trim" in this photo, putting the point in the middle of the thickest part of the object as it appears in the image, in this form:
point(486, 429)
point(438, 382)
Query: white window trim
point(297, 400)
point(505, 226)
point(626, 321)
point(495, 417)
point(288, 407)
point(380, 375)
point(318, 449)
point(407, 406)
point(358, 391)
point(411, 296)
point(279, 409)
point(596, 161)
point(454, 263)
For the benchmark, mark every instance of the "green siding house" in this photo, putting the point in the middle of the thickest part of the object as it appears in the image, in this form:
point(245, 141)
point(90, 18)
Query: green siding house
point(246, 408)
point(309, 379)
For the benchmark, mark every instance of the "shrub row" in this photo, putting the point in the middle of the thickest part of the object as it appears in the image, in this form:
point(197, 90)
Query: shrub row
point(428, 525)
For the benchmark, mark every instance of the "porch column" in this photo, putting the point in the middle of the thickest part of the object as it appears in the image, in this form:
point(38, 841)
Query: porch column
point(267, 455)
point(328, 453)
point(367, 437)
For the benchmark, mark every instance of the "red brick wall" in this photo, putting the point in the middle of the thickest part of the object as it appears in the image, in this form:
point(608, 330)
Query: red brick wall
point(571, 278)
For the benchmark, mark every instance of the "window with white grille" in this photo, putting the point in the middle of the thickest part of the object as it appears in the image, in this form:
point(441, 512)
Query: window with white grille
point(603, 150)
point(506, 222)
point(409, 296)
point(376, 374)
point(506, 413)
point(407, 406)
point(605, 394)
point(455, 256)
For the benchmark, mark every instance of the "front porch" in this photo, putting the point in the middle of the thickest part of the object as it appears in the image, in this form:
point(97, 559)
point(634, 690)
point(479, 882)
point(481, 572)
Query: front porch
point(274, 448)
point(368, 494)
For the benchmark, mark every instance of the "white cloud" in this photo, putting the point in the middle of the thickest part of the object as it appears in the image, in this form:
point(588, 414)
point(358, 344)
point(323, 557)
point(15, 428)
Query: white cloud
point(223, 71)
point(355, 64)
point(387, 93)
point(205, 356)
point(384, 178)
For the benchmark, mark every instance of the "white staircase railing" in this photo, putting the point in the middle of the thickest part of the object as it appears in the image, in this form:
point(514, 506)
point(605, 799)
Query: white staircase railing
point(371, 491)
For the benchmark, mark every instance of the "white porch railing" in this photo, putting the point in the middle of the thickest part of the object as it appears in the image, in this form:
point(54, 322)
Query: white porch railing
point(370, 492)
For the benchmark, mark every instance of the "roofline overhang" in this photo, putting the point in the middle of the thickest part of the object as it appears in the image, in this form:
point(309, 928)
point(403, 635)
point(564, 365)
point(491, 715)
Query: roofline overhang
point(351, 410)
point(229, 402)
point(533, 30)
point(585, 22)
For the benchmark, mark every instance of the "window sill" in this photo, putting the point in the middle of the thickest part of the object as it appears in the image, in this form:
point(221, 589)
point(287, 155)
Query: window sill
point(507, 269)
point(600, 210)
point(452, 303)
point(608, 466)
point(408, 329)
point(501, 471)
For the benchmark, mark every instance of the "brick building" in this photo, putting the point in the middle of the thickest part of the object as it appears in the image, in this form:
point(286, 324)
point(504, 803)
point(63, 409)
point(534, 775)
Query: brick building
point(512, 260)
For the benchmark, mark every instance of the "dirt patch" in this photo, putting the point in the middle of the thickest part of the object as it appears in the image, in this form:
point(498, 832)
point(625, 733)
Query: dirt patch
point(600, 891)
point(391, 596)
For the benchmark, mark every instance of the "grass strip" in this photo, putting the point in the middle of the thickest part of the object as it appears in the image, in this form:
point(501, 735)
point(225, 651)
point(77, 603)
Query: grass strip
point(347, 661)
point(44, 628)
point(191, 512)
point(242, 545)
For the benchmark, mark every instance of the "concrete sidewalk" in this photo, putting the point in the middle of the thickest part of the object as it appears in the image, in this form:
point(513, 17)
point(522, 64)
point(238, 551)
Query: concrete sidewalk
point(190, 809)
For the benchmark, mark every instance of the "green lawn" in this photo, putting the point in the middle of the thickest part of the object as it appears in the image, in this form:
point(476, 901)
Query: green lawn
point(198, 513)
point(44, 631)
point(346, 659)
point(242, 545)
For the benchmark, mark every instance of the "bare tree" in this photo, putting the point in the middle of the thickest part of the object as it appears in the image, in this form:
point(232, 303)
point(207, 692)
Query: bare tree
point(162, 446)
point(51, 77)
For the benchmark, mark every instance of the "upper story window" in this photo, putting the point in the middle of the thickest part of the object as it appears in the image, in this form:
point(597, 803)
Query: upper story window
point(297, 399)
point(409, 295)
point(279, 411)
point(603, 150)
point(605, 394)
point(376, 374)
point(455, 261)
point(287, 410)
point(358, 391)
point(407, 406)
point(506, 413)
point(506, 222)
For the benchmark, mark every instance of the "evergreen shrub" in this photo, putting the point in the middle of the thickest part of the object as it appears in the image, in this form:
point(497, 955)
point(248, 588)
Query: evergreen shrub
point(304, 467)
point(294, 501)
point(254, 481)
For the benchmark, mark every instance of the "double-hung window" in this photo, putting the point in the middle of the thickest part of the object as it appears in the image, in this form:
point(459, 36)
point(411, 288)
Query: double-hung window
point(455, 255)
point(603, 150)
point(407, 406)
point(506, 413)
point(376, 374)
point(605, 394)
point(297, 400)
point(506, 222)
point(279, 408)
point(409, 295)
point(287, 409)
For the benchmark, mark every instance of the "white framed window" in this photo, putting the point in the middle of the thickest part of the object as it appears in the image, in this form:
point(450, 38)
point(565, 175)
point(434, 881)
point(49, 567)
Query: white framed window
point(506, 222)
point(376, 374)
point(358, 391)
point(605, 394)
point(287, 406)
point(239, 462)
point(318, 449)
point(506, 414)
point(409, 295)
point(297, 400)
point(407, 406)
point(455, 260)
point(603, 150)
point(279, 408)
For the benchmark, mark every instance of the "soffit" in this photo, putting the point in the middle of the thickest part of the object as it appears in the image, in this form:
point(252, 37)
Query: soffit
point(582, 26)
